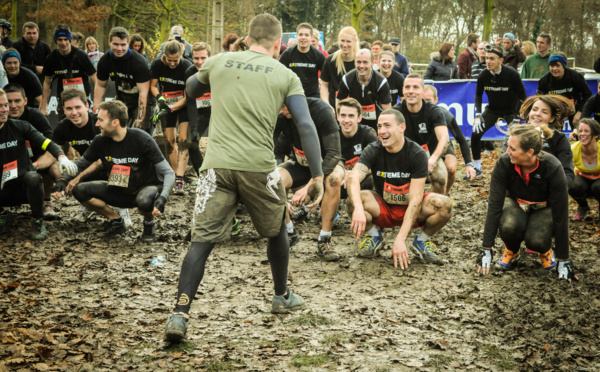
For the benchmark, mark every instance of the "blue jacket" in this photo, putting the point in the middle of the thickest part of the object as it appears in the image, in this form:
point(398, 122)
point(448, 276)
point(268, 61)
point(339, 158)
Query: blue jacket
point(401, 64)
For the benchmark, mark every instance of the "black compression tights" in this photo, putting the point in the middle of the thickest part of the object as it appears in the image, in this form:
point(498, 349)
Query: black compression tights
point(192, 269)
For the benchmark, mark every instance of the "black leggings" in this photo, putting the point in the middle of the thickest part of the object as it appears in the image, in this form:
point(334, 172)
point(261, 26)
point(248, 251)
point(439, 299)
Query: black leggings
point(582, 187)
point(143, 200)
point(27, 189)
point(490, 119)
point(535, 227)
point(192, 269)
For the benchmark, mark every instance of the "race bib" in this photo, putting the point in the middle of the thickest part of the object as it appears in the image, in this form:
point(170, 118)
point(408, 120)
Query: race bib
point(173, 97)
point(369, 113)
point(396, 194)
point(29, 149)
point(349, 164)
point(9, 172)
point(529, 206)
point(73, 83)
point(119, 176)
point(426, 148)
point(204, 101)
point(300, 157)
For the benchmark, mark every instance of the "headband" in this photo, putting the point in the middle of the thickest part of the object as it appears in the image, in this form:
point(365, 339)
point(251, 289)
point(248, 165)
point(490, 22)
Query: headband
point(496, 53)
point(9, 54)
point(63, 33)
point(558, 58)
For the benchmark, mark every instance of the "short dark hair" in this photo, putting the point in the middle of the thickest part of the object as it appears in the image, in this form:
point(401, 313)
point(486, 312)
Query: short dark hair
point(264, 30)
point(70, 93)
point(414, 75)
point(305, 25)
point(593, 124)
point(119, 32)
point(546, 36)
point(349, 102)
point(472, 38)
point(116, 110)
point(15, 88)
point(30, 25)
point(397, 115)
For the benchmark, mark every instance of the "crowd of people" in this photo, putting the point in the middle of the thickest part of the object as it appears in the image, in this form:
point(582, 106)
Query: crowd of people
point(351, 123)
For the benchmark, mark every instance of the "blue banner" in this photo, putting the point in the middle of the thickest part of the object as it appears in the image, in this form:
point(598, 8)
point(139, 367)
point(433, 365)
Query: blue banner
point(459, 98)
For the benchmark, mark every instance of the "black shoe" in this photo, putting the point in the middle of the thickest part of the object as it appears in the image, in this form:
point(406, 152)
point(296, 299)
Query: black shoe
point(325, 250)
point(38, 230)
point(176, 328)
point(293, 237)
point(149, 231)
point(114, 227)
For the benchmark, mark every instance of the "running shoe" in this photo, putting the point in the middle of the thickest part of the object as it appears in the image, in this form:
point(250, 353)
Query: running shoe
point(149, 231)
point(176, 328)
point(582, 212)
point(299, 213)
point(370, 246)
point(114, 227)
point(178, 187)
point(325, 250)
point(124, 214)
point(426, 251)
point(235, 229)
point(508, 259)
point(548, 260)
point(281, 305)
point(49, 211)
point(293, 238)
point(38, 230)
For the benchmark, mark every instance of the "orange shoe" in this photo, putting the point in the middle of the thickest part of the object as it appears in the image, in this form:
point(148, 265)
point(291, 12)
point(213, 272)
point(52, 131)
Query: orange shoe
point(508, 259)
point(548, 260)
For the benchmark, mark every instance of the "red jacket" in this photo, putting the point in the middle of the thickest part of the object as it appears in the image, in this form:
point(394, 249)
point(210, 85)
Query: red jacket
point(465, 61)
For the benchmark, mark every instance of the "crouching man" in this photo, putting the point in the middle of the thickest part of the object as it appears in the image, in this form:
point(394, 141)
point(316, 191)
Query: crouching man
point(399, 167)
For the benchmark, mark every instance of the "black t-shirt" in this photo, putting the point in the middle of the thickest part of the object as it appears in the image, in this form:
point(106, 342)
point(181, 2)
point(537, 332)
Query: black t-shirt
point(129, 164)
point(572, 86)
point(392, 172)
point(396, 82)
point(306, 66)
point(40, 123)
point(329, 74)
point(79, 138)
point(171, 81)
point(353, 147)
point(591, 109)
point(505, 91)
point(420, 127)
point(71, 71)
point(203, 102)
point(14, 155)
point(29, 81)
point(126, 73)
point(370, 96)
point(32, 57)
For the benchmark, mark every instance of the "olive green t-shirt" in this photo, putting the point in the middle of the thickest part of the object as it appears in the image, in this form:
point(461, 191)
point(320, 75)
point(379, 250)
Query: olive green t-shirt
point(248, 90)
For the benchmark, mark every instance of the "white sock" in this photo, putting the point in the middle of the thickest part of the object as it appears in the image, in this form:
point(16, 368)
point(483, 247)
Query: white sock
point(373, 231)
point(290, 227)
point(477, 164)
point(422, 237)
point(324, 234)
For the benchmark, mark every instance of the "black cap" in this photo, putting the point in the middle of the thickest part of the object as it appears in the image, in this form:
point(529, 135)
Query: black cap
point(395, 41)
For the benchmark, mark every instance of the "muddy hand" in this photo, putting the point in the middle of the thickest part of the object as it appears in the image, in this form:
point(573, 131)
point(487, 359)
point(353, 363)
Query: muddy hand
point(315, 193)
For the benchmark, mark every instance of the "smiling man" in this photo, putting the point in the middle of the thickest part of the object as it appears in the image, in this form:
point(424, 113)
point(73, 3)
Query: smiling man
point(399, 169)
point(305, 60)
point(368, 87)
point(11, 59)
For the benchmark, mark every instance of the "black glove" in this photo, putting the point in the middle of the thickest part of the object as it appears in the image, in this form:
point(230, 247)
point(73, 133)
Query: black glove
point(60, 186)
point(162, 103)
point(160, 202)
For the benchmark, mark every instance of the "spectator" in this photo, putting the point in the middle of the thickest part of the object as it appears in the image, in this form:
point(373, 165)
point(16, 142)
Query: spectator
point(478, 66)
point(230, 38)
point(138, 44)
point(401, 61)
point(91, 47)
point(442, 66)
point(468, 57)
point(528, 49)
point(513, 55)
point(536, 66)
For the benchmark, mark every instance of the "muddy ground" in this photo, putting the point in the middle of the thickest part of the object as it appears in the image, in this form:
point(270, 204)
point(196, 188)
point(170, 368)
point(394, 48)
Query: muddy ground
point(79, 303)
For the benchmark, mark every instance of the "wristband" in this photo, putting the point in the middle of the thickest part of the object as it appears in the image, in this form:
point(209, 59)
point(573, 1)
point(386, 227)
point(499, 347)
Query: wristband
point(469, 164)
point(36, 165)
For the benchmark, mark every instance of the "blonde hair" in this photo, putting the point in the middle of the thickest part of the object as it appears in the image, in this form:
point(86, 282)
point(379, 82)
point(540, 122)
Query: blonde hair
point(339, 62)
point(90, 39)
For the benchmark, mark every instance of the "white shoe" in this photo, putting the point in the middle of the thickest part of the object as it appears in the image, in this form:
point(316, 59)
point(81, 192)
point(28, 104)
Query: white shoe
point(124, 213)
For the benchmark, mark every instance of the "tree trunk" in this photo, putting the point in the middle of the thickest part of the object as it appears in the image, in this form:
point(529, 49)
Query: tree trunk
point(488, 6)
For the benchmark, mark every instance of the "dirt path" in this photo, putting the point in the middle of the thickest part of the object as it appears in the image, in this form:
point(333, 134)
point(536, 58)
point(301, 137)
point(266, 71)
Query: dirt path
point(76, 302)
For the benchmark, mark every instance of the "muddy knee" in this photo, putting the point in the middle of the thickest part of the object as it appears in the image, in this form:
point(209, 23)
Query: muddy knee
point(145, 199)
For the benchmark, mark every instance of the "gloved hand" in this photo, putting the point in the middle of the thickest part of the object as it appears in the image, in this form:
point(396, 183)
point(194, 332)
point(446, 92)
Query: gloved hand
point(565, 270)
point(67, 166)
point(162, 103)
point(484, 262)
point(160, 202)
point(156, 117)
point(478, 125)
point(60, 186)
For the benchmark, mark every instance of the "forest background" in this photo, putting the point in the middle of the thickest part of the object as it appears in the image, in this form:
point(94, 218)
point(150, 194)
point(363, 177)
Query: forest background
point(421, 25)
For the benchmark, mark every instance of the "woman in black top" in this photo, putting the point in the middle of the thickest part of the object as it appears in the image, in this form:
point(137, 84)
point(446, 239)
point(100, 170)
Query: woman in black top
point(528, 202)
point(442, 66)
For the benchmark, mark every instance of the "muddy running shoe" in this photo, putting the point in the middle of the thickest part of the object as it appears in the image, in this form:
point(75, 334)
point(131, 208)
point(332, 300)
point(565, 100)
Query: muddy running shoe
point(124, 214)
point(176, 328)
point(49, 211)
point(548, 260)
point(508, 259)
point(149, 231)
point(293, 238)
point(299, 213)
point(370, 246)
point(114, 227)
point(178, 187)
point(582, 212)
point(281, 305)
point(38, 230)
point(325, 250)
point(235, 229)
point(426, 251)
